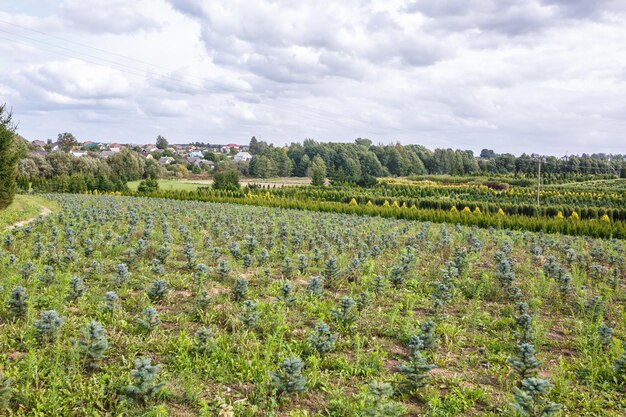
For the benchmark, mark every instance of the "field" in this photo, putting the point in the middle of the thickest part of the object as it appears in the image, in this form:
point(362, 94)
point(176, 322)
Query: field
point(23, 209)
point(218, 296)
point(194, 184)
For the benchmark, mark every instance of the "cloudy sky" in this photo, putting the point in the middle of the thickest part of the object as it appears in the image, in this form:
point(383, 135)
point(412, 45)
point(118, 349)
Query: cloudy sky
point(545, 76)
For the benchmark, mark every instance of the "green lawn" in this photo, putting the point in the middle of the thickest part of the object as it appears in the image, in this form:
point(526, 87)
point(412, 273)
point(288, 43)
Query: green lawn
point(191, 184)
point(24, 208)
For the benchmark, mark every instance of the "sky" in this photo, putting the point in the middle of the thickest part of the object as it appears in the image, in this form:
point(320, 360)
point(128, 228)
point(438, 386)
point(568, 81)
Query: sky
point(536, 76)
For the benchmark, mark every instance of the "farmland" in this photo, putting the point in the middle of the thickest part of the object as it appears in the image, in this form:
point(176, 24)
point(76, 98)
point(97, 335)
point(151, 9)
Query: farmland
point(250, 310)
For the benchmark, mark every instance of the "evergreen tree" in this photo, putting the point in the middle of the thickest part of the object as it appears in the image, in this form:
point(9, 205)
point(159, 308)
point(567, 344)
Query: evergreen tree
point(289, 377)
point(8, 158)
point(144, 384)
point(318, 171)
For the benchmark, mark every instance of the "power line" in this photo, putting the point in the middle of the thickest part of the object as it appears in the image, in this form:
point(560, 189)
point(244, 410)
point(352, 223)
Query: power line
point(108, 63)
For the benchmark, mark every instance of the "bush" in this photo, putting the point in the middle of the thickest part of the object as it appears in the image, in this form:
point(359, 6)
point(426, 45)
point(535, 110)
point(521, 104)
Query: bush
point(289, 377)
point(144, 384)
point(227, 180)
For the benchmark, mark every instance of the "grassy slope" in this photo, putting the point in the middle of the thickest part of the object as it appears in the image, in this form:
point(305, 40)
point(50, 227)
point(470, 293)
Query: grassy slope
point(23, 208)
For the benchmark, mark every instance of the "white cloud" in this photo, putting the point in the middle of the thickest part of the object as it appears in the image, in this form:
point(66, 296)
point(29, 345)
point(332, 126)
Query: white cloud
point(535, 76)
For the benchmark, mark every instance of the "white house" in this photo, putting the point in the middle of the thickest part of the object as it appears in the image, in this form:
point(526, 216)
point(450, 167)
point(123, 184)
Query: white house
point(166, 160)
point(196, 154)
point(242, 157)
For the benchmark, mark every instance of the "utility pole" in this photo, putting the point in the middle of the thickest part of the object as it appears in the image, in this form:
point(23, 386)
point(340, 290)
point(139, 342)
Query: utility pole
point(538, 178)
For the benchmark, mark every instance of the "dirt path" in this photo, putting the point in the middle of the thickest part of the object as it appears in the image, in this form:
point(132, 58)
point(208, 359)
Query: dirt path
point(44, 212)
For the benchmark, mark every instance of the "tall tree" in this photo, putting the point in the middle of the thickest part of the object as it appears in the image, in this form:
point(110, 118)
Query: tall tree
point(318, 171)
point(8, 158)
point(66, 141)
point(161, 142)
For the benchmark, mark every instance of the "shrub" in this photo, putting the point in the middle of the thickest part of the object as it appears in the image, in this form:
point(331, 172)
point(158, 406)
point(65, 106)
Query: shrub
point(6, 390)
point(240, 290)
point(110, 301)
point(150, 319)
point(322, 339)
point(158, 290)
point(18, 303)
point(77, 288)
point(525, 364)
point(620, 366)
point(94, 343)
point(415, 372)
point(605, 335)
point(331, 273)
point(48, 326)
point(144, 384)
point(345, 315)
point(250, 315)
point(530, 399)
point(316, 286)
point(204, 340)
point(289, 377)
point(378, 402)
point(286, 294)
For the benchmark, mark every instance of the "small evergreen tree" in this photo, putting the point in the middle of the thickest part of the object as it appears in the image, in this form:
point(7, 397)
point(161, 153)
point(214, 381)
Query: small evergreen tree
point(77, 288)
point(250, 315)
point(158, 290)
point(620, 366)
point(331, 273)
point(415, 372)
point(144, 384)
point(288, 378)
point(605, 335)
point(6, 391)
point(48, 326)
point(316, 286)
point(150, 319)
point(322, 339)
point(378, 402)
point(110, 301)
point(204, 339)
point(286, 294)
point(525, 364)
point(94, 343)
point(530, 399)
point(18, 303)
point(345, 315)
point(240, 290)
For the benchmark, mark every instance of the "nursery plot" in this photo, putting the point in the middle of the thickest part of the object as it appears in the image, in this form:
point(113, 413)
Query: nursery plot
point(137, 306)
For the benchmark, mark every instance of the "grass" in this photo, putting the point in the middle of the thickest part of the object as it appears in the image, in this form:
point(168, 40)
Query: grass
point(24, 207)
point(194, 184)
point(474, 330)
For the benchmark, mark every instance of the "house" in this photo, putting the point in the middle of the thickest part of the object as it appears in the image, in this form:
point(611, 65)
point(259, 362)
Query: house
point(166, 160)
point(115, 147)
point(196, 154)
point(78, 153)
point(200, 162)
point(39, 143)
point(242, 157)
point(227, 148)
point(106, 154)
point(54, 146)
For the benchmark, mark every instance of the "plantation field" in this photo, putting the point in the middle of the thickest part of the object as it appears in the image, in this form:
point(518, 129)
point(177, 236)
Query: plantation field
point(194, 184)
point(23, 209)
point(261, 311)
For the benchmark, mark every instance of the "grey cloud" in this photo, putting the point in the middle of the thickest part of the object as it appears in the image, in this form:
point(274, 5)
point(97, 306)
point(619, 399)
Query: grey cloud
point(114, 17)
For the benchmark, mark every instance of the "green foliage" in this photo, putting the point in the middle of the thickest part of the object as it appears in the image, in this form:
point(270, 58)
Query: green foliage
point(318, 172)
point(18, 303)
point(204, 339)
point(48, 326)
point(227, 180)
point(145, 385)
point(149, 185)
point(77, 288)
point(288, 379)
point(158, 290)
point(8, 158)
point(378, 402)
point(525, 364)
point(6, 390)
point(240, 290)
point(94, 343)
point(620, 366)
point(530, 399)
point(250, 315)
point(415, 372)
point(322, 339)
point(149, 320)
point(345, 314)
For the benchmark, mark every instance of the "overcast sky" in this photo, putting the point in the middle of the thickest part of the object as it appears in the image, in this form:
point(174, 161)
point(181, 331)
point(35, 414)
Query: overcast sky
point(546, 76)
